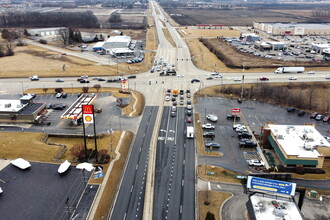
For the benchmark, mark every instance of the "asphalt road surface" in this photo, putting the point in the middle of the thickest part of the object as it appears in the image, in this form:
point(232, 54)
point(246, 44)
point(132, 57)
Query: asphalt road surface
point(130, 198)
point(174, 195)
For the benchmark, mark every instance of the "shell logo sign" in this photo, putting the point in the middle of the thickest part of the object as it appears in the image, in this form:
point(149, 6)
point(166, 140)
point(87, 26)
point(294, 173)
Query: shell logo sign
point(124, 84)
point(88, 114)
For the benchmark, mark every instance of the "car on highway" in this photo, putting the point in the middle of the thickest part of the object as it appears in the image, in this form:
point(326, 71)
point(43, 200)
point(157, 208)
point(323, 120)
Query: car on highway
point(311, 72)
point(319, 117)
point(195, 80)
point(100, 79)
point(327, 77)
point(59, 95)
point(263, 78)
point(131, 77)
point(173, 108)
point(238, 79)
point(188, 119)
point(209, 78)
point(313, 115)
point(293, 78)
point(213, 145)
point(257, 163)
point(212, 118)
point(208, 126)
point(59, 80)
point(209, 134)
point(326, 118)
point(173, 114)
point(84, 81)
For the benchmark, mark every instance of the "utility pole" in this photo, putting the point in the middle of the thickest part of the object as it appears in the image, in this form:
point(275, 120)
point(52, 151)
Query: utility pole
point(242, 87)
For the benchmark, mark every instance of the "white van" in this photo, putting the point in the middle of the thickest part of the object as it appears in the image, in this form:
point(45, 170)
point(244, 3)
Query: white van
point(190, 132)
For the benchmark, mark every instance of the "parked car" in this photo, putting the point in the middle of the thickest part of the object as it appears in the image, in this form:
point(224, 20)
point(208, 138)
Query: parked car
point(263, 78)
point(212, 118)
point(181, 102)
point(189, 112)
point(189, 107)
point(49, 106)
point(319, 117)
point(239, 100)
point(59, 106)
point(231, 117)
point(290, 109)
point(235, 126)
point(313, 115)
point(173, 99)
point(173, 108)
point(247, 144)
point(301, 113)
point(208, 126)
point(59, 95)
point(241, 135)
point(257, 163)
point(213, 145)
point(209, 134)
point(188, 102)
point(326, 118)
point(241, 129)
point(174, 103)
point(64, 95)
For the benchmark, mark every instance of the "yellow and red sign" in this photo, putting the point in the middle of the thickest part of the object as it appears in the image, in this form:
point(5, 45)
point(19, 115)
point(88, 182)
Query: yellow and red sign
point(235, 111)
point(88, 114)
point(124, 84)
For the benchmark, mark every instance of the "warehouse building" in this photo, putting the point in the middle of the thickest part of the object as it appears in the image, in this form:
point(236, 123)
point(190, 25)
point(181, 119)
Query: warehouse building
point(42, 32)
point(23, 110)
point(296, 146)
point(321, 29)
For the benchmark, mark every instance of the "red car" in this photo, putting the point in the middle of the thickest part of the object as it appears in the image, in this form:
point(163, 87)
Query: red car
point(188, 120)
point(326, 119)
point(313, 115)
point(263, 79)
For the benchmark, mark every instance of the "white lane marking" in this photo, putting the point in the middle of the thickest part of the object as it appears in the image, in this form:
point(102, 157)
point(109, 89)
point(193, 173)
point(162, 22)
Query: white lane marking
point(209, 185)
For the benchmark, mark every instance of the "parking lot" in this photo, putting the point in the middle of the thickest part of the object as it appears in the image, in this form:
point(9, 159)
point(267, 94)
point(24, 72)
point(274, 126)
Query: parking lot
point(253, 114)
point(41, 193)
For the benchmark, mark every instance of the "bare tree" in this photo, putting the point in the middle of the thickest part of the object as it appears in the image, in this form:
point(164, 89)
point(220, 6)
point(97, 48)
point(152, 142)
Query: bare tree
point(85, 89)
point(45, 90)
point(97, 87)
point(64, 36)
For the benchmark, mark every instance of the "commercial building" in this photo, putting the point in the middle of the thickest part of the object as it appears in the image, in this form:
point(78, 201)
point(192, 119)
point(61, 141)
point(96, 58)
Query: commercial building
point(23, 110)
point(322, 29)
point(116, 46)
point(296, 145)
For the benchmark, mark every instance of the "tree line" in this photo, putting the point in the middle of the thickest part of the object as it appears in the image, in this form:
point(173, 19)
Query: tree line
point(84, 19)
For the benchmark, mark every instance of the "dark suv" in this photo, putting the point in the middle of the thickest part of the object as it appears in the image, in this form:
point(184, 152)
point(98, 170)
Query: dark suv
point(231, 117)
point(290, 109)
point(244, 135)
point(247, 143)
point(301, 113)
point(209, 134)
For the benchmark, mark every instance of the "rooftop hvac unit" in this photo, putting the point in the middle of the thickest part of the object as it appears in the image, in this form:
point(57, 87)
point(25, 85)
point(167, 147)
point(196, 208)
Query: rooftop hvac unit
point(308, 147)
point(280, 136)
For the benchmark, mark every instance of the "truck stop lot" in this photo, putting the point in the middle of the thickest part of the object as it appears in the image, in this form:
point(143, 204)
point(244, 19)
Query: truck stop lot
point(41, 193)
point(253, 114)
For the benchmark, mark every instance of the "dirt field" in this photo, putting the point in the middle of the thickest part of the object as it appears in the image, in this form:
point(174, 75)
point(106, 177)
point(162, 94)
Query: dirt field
point(169, 37)
point(206, 33)
point(231, 17)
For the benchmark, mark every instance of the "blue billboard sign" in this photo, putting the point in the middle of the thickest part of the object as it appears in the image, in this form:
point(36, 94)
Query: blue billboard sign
point(272, 186)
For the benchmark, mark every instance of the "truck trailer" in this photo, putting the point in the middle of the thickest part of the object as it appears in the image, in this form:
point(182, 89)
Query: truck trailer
point(290, 70)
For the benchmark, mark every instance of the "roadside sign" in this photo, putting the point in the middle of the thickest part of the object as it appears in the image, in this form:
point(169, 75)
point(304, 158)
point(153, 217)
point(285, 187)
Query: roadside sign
point(88, 114)
point(235, 111)
point(271, 186)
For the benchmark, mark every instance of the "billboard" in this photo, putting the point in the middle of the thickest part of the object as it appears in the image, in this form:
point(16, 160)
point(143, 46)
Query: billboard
point(235, 111)
point(271, 186)
point(124, 84)
point(299, 30)
point(87, 111)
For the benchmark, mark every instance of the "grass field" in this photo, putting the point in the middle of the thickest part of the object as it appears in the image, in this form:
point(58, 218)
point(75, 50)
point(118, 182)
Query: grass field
point(210, 201)
point(239, 17)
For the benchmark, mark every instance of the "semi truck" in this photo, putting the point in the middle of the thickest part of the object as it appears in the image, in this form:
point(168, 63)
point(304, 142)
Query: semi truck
point(190, 132)
point(290, 70)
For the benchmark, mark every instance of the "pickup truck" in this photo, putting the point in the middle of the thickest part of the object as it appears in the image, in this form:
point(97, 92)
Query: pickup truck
point(235, 126)
point(208, 126)
point(231, 117)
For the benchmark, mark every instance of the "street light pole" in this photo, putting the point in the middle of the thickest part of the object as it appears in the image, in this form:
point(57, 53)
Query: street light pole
point(242, 87)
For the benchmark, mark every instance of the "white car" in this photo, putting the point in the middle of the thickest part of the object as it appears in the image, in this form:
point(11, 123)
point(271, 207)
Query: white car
point(292, 78)
point(58, 95)
point(238, 79)
point(327, 77)
point(218, 76)
point(208, 126)
point(189, 107)
point(212, 118)
point(257, 163)
point(236, 126)
point(167, 98)
point(241, 129)
point(180, 76)
point(311, 72)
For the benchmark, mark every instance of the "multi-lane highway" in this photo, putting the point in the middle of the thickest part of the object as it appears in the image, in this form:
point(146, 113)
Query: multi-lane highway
point(130, 198)
point(174, 194)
